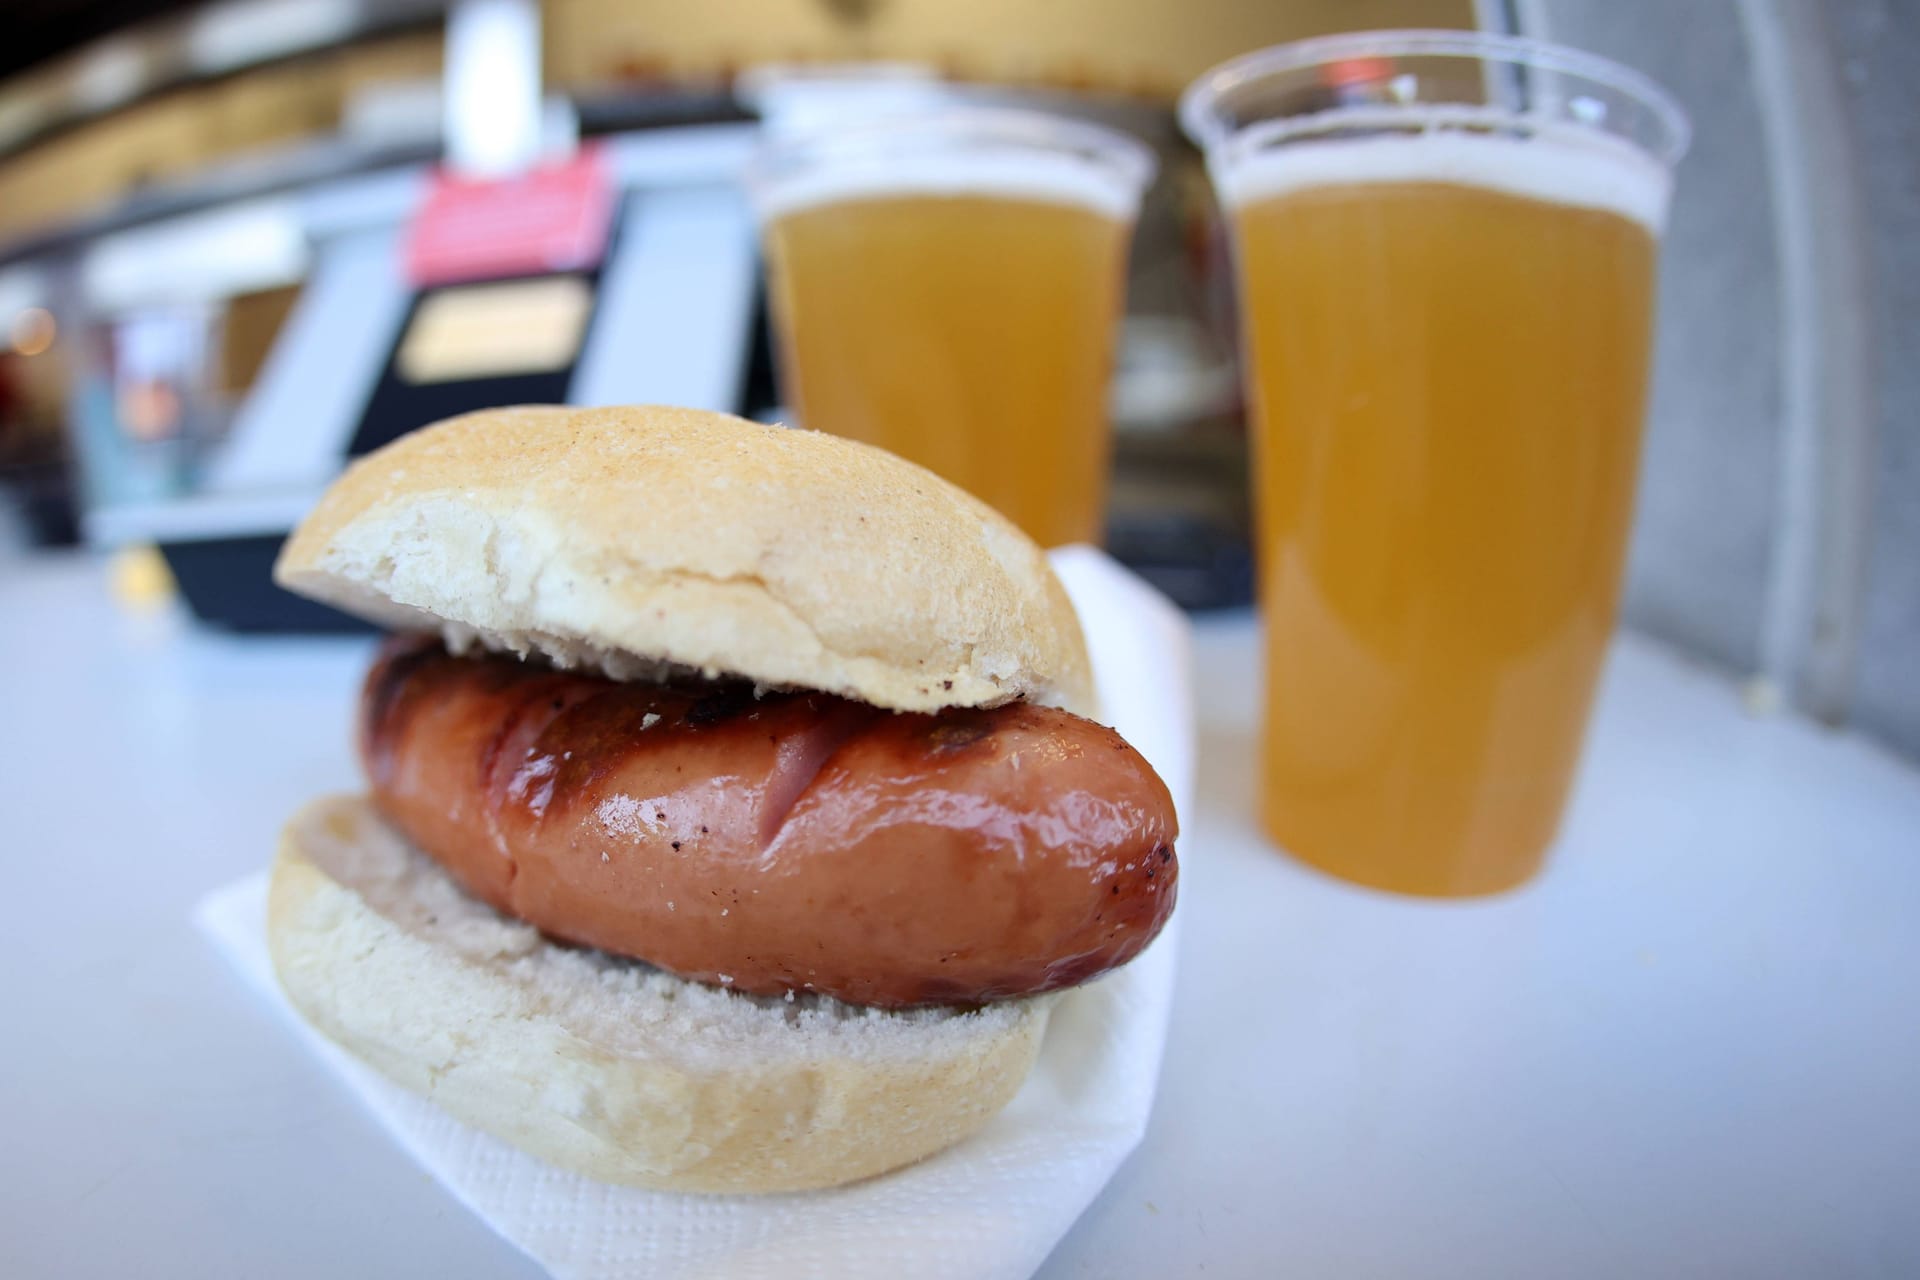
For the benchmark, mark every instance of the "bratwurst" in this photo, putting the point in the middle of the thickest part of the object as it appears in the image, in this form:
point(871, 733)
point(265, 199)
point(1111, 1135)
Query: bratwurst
point(778, 841)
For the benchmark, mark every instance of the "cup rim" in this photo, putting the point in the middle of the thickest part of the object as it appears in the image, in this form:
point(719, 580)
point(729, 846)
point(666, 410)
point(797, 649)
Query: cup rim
point(1129, 159)
point(1200, 122)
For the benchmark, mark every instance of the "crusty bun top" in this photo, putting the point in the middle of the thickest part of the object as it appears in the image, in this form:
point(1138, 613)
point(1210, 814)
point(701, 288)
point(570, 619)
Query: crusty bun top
point(638, 540)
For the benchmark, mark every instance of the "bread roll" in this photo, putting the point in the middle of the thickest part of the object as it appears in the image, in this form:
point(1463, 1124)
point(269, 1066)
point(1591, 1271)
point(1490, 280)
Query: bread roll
point(607, 1067)
point(637, 539)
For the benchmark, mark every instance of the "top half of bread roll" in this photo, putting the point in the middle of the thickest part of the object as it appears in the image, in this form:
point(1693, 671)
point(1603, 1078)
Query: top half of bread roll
point(644, 540)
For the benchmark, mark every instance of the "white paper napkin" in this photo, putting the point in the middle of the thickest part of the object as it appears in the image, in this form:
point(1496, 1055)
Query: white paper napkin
point(993, 1206)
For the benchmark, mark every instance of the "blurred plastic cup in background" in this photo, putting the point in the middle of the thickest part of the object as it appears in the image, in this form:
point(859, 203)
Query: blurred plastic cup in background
point(948, 285)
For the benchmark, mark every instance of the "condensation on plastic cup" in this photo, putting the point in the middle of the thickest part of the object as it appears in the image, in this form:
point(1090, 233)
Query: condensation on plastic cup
point(993, 151)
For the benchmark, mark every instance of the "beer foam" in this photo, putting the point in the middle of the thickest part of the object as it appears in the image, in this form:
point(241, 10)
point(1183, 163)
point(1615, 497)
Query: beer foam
point(1035, 178)
point(1586, 171)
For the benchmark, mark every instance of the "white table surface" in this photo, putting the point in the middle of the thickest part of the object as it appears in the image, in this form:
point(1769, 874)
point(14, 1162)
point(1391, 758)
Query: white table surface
point(1691, 1049)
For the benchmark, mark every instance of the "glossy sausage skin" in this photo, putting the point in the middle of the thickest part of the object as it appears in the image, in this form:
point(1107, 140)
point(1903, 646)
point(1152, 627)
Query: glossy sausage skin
point(794, 842)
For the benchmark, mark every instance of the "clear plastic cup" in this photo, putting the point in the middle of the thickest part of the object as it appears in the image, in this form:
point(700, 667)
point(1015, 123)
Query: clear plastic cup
point(1445, 246)
point(948, 285)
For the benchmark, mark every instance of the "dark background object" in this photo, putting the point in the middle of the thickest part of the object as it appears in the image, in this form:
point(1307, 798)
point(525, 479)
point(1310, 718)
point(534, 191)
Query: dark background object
point(229, 582)
point(42, 29)
point(398, 406)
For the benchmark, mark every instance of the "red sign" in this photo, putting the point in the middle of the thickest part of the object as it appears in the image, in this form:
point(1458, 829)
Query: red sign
point(552, 218)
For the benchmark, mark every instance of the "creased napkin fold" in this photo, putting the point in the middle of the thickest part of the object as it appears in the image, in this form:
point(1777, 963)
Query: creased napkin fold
point(992, 1207)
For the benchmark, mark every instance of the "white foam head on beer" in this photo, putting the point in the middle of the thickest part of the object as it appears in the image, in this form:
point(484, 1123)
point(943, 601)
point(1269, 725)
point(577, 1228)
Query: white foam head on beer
point(1584, 168)
point(1037, 178)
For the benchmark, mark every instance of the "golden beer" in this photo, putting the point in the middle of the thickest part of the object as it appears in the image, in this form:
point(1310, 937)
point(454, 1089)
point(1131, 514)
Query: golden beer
point(961, 312)
point(1447, 340)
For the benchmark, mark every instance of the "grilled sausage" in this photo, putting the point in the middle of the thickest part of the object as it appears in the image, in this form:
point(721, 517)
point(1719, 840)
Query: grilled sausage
point(787, 842)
